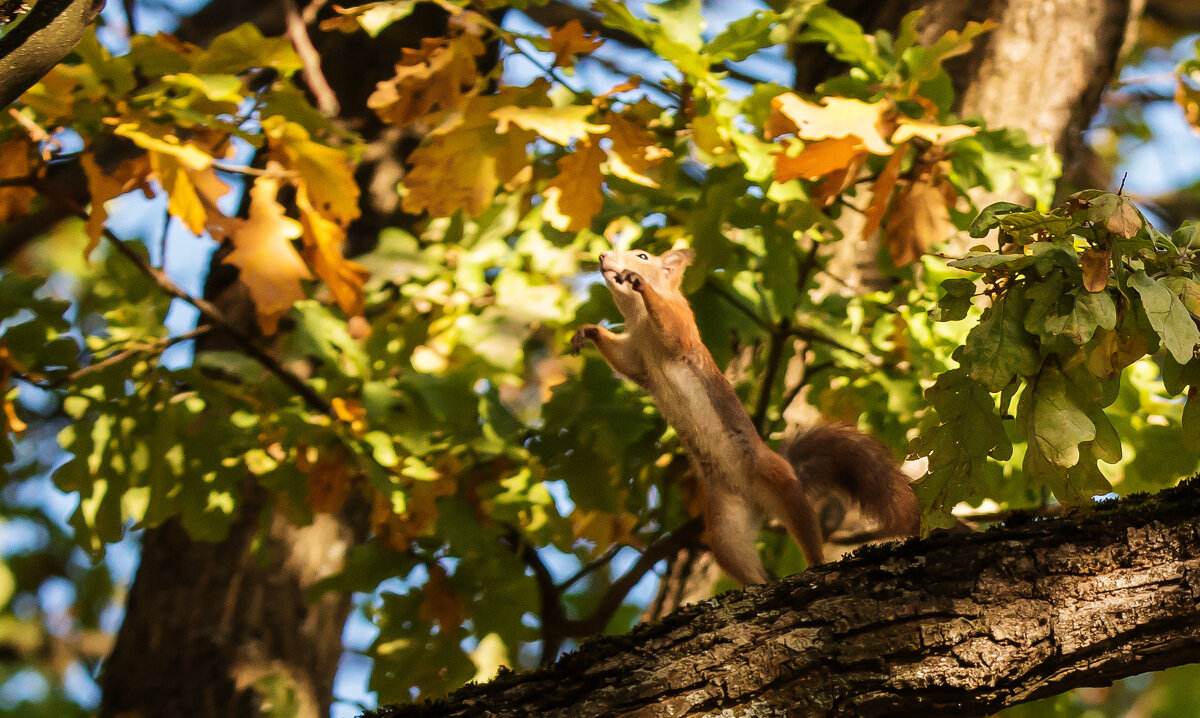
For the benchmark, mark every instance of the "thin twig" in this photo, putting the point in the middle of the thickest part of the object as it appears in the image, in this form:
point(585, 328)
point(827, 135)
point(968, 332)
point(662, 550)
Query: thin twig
point(157, 347)
point(252, 171)
point(779, 337)
point(311, 10)
point(591, 566)
point(310, 59)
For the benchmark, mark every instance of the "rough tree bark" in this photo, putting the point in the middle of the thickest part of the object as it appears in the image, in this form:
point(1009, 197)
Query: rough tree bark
point(40, 40)
point(955, 625)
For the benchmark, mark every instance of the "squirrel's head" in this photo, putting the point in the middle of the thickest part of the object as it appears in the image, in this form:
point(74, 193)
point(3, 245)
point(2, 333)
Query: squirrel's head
point(663, 272)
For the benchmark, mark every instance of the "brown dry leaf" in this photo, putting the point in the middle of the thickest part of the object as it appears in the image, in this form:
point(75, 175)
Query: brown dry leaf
point(328, 481)
point(573, 197)
point(818, 158)
point(15, 164)
point(569, 40)
point(438, 76)
point(440, 603)
point(936, 134)
point(919, 218)
point(884, 184)
point(271, 268)
point(557, 124)
point(105, 183)
point(1126, 221)
point(1097, 265)
point(838, 117)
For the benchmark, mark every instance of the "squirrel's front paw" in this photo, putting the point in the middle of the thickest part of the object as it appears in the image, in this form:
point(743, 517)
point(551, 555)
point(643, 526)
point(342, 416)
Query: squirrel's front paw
point(632, 278)
point(582, 335)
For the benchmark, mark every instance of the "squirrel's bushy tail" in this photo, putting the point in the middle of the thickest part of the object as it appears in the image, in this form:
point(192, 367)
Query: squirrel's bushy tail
point(841, 457)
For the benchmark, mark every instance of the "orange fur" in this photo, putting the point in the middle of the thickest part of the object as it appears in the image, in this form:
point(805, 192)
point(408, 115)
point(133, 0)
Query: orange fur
point(741, 478)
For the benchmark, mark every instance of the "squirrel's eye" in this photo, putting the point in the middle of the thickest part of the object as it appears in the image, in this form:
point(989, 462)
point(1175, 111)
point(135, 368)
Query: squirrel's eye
point(642, 255)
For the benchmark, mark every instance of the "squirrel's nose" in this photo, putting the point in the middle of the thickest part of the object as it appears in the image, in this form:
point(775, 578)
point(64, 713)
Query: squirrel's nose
point(603, 256)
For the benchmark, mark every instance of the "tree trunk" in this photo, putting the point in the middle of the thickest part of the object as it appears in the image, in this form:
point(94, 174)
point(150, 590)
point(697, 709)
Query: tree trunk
point(954, 625)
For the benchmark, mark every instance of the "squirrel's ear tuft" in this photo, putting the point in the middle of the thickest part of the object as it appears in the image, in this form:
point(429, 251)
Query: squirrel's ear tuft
point(675, 260)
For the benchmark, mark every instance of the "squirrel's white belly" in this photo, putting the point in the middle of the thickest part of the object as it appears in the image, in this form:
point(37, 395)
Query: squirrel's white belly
point(687, 404)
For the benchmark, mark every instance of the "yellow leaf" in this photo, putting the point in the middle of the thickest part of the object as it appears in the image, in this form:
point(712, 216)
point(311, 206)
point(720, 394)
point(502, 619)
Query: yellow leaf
point(435, 77)
point(190, 193)
point(271, 268)
point(919, 218)
point(884, 185)
point(14, 164)
point(186, 154)
point(489, 657)
point(462, 170)
point(105, 183)
point(573, 197)
point(557, 124)
point(936, 134)
point(638, 148)
point(711, 136)
point(569, 40)
point(604, 529)
point(818, 159)
point(1188, 99)
point(324, 173)
point(617, 167)
point(838, 117)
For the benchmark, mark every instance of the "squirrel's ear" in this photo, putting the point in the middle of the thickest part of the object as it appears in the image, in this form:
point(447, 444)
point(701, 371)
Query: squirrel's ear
point(675, 260)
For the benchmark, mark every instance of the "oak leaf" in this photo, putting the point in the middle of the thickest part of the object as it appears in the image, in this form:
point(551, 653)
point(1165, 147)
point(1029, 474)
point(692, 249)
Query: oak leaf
point(328, 479)
point(462, 169)
point(574, 196)
point(323, 251)
point(919, 217)
point(638, 147)
point(884, 184)
point(1097, 265)
point(325, 174)
point(437, 76)
point(934, 133)
point(817, 159)
point(271, 268)
point(569, 40)
point(105, 183)
point(15, 164)
point(557, 124)
point(440, 603)
point(837, 117)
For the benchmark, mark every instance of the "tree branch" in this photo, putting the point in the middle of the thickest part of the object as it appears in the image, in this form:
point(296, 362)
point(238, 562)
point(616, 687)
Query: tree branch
point(950, 625)
point(40, 40)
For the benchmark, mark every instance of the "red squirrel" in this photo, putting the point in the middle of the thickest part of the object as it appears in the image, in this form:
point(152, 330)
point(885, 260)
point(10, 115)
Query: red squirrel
point(741, 477)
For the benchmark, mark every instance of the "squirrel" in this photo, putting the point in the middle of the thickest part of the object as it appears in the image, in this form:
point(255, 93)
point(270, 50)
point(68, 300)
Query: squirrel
point(741, 478)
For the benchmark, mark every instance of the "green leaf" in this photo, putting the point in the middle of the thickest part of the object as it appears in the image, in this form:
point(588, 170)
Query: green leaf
point(746, 36)
point(843, 38)
point(1089, 311)
point(991, 216)
point(1057, 425)
point(999, 348)
point(244, 48)
point(681, 20)
point(1167, 315)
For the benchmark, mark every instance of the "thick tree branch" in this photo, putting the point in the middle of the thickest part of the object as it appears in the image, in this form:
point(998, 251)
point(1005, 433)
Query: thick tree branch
point(40, 40)
point(951, 625)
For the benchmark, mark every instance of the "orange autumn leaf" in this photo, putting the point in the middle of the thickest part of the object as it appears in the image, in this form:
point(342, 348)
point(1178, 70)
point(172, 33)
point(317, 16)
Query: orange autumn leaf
point(271, 268)
point(638, 147)
point(105, 183)
point(437, 76)
point(882, 190)
point(919, 218)
point(837, 117)
point(323, 241)
point(328, 481)
point(603, 528)
point(818, 158)
point(191, 193)
point(569, 40)
point(15, 164)
point(573, 197)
